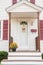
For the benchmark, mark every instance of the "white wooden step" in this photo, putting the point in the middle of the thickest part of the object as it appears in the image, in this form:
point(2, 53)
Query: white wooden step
point(24, 58)
point(12, 62)
point(25, 53)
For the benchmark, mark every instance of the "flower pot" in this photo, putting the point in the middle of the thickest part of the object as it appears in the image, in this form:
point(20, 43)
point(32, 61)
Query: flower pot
point(14, 49)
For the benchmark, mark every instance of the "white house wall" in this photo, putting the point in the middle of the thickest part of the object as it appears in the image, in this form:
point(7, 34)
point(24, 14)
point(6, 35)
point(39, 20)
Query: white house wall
point(39, 2)
point(41, 46)
point(4, 45)
point(3, 5)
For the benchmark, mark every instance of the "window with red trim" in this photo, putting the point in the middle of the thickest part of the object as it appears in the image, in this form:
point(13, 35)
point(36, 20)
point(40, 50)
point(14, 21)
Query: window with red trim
point(41, 29)
point(5, 29)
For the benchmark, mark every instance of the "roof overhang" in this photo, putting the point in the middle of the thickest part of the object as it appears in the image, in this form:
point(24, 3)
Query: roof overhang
point(24, 6)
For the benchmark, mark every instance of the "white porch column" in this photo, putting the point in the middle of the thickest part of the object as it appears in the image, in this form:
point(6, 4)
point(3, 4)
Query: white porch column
point(28, 36)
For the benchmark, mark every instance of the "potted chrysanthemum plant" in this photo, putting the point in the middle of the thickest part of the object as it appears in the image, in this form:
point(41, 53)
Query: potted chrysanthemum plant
point(13, 46)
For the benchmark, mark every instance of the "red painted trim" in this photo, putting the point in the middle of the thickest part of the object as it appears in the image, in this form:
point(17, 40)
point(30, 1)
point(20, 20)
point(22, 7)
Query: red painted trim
point(32, 1)
point(14, 1)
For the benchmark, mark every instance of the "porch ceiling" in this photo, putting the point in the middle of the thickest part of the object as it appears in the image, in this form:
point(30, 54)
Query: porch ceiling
point(24, 14)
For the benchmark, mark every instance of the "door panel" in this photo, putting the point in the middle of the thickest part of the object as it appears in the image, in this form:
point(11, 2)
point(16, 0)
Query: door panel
point(23, 32)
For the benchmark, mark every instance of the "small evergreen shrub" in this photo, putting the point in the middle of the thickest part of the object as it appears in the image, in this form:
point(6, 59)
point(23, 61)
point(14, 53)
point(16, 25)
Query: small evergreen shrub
point(42, 55)
point(3, 55)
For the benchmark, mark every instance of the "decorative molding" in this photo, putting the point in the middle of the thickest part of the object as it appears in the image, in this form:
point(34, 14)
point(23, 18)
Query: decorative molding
point(24, 17)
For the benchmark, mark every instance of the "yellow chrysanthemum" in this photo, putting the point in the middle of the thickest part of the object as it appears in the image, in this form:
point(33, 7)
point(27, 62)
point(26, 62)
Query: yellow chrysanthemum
point(13, 45)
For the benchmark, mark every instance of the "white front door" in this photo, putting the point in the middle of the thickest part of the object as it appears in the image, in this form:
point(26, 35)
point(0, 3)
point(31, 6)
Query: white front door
point(23, 32)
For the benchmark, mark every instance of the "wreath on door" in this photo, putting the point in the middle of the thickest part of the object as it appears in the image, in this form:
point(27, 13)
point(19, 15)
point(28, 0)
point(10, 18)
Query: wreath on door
point(23, 24)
